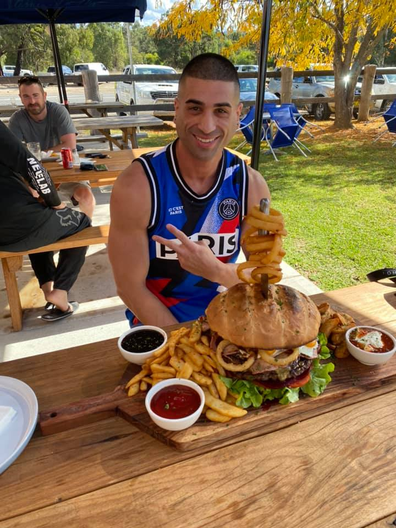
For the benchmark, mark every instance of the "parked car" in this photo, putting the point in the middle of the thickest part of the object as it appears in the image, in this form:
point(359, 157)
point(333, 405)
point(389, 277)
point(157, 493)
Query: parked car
point(96, 66)
point(51, 71)
point(249, 89)
point(246, 68)
point(8, 71)
point(310, 86)
point(65, 69)
point(147, 92)
point(84, 66)
point(384, 83)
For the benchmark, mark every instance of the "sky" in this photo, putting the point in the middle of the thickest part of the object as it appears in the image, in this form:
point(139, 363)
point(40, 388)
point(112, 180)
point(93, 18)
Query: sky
point(154, 11)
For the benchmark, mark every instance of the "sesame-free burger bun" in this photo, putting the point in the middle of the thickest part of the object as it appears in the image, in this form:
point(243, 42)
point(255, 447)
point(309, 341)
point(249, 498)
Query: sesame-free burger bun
point(287, 319)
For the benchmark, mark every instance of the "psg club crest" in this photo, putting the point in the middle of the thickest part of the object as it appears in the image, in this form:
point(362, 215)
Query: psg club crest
point(228, 209)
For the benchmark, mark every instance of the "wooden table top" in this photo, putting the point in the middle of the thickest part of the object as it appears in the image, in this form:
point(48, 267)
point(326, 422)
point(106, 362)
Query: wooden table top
point(117, 161)
point(116, 122)
point(333, 469)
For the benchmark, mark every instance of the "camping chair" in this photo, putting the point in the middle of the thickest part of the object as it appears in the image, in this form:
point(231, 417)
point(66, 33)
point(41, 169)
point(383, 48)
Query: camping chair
point(390, 122)
point(246, 125)
point(287, 130)
point(300, 119)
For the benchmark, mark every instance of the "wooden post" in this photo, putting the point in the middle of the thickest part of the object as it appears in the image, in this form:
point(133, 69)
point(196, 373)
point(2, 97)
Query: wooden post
point(286, 84)
point(10, 266)
point(92, 94)
point(365, 98)
point(91, 86)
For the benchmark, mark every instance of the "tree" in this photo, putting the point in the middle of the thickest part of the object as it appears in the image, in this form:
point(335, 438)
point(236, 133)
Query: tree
point(109, 46)
point(344, 32)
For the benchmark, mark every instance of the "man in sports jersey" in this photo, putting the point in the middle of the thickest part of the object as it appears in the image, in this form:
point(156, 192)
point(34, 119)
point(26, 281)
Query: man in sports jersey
point(177, 213)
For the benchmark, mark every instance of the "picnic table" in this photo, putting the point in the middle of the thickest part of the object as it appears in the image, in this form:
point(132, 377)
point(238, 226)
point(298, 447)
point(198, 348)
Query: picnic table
point(127, 125)
point(116, 162)
point(331, 465)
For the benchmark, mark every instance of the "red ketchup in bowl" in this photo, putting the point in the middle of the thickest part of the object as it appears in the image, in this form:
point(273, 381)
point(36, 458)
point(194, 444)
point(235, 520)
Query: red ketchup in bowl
point(175, 401)
point(371, 340)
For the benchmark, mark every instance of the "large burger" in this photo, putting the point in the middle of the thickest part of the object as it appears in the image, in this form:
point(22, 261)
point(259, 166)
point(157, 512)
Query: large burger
point(268, 347)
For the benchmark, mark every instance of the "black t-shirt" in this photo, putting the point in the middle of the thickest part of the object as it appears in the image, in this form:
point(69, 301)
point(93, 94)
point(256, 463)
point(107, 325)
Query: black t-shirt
point(20, 213)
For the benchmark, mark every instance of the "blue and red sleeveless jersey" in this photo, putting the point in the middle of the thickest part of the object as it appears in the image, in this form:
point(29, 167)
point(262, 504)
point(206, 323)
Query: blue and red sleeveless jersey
point(215, 217)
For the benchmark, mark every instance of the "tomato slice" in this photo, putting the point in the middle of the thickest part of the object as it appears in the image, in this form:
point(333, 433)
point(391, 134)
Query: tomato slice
point(299, 382)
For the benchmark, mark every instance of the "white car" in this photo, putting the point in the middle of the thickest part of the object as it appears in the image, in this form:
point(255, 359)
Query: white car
point(384, 83)
point(9, 71)
point(249, 89)
point(246, 68)
point(84, 66)
point(147, 92)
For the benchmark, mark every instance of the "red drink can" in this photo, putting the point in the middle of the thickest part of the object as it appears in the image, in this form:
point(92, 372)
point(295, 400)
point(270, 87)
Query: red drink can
point(67, 158)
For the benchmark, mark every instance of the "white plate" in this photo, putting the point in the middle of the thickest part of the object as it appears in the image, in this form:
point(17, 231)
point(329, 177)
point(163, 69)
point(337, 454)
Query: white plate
point(13, 440)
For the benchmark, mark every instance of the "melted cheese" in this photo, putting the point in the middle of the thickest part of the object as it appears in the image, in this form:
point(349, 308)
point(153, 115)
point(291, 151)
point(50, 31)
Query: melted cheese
point(372, 339)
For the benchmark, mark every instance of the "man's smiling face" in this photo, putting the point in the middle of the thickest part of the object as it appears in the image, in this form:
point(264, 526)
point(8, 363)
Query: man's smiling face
point(206, 115)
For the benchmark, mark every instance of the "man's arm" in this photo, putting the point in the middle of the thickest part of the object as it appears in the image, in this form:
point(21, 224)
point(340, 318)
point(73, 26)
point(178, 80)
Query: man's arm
point(197, 258)
point(17, 158)
point(67, 141)
point(130, 208)
point(65, 127)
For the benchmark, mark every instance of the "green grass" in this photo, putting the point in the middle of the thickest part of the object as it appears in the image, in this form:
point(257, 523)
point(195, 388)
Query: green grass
point(339, 204)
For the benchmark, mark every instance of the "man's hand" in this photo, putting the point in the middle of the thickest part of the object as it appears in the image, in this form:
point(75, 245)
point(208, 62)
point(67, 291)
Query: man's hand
point(62, 205)
point(194, 257)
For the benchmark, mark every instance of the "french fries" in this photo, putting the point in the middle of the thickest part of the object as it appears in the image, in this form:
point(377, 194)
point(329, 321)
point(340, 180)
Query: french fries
point(335, 325)
point(187, 355)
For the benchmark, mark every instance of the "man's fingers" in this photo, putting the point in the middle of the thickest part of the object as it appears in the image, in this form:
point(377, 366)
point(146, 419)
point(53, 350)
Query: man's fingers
point(178, 234)
point(171, 244)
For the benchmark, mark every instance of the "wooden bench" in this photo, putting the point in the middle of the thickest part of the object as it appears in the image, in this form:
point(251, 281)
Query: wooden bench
point(12, 262)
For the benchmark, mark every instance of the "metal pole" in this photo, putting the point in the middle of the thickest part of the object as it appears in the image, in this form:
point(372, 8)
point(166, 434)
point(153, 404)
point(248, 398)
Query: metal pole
point(131, 61)
point(258, 119)
point(51, 15)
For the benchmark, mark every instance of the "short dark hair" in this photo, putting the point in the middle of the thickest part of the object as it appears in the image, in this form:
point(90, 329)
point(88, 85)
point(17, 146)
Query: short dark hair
point(28, 80)
point(211, 67)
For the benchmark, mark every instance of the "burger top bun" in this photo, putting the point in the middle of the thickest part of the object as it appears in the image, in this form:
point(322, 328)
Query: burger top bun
point(287, 319)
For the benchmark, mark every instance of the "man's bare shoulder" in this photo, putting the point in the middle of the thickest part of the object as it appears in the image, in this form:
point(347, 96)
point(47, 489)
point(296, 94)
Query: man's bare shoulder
point(132, 177)
point(257, 184)
point(131, 196)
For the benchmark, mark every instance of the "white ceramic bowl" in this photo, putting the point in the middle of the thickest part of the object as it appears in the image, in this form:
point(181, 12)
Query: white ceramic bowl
point(179, 423)
point(369, 358)
point(140, 357)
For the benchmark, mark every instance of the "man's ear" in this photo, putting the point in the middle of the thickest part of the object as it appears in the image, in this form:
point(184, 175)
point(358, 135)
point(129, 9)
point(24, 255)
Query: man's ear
point(177, 106)
point(239, 109)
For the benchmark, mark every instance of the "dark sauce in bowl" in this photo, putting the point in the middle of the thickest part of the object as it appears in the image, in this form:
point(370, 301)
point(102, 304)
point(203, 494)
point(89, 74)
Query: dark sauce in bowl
point(175, 401)
point(142, 341)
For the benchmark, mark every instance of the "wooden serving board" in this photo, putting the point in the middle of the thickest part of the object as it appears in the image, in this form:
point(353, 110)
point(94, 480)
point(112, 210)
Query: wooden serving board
point(352, 382)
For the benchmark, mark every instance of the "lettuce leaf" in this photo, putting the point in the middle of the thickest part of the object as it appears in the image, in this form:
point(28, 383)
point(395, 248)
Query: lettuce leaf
point(251, 395)
point(319, 378)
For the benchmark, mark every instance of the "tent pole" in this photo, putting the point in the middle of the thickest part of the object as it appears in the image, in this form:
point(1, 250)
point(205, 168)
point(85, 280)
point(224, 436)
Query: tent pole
point(258, 121)
point(51, 15)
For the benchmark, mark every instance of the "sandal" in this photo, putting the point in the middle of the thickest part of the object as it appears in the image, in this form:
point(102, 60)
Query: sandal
point(51, 306)
point(56, 314)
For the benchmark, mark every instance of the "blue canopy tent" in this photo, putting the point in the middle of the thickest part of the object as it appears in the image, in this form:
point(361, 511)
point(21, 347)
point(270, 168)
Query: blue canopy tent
point(68, 12)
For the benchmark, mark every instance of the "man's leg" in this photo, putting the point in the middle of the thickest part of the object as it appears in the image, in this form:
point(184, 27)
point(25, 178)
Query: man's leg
point(69, 265)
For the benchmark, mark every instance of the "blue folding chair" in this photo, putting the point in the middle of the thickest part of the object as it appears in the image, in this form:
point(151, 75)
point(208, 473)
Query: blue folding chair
point(300, 119)
point(287, 130)
point(390, 122)
point(246, 125)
